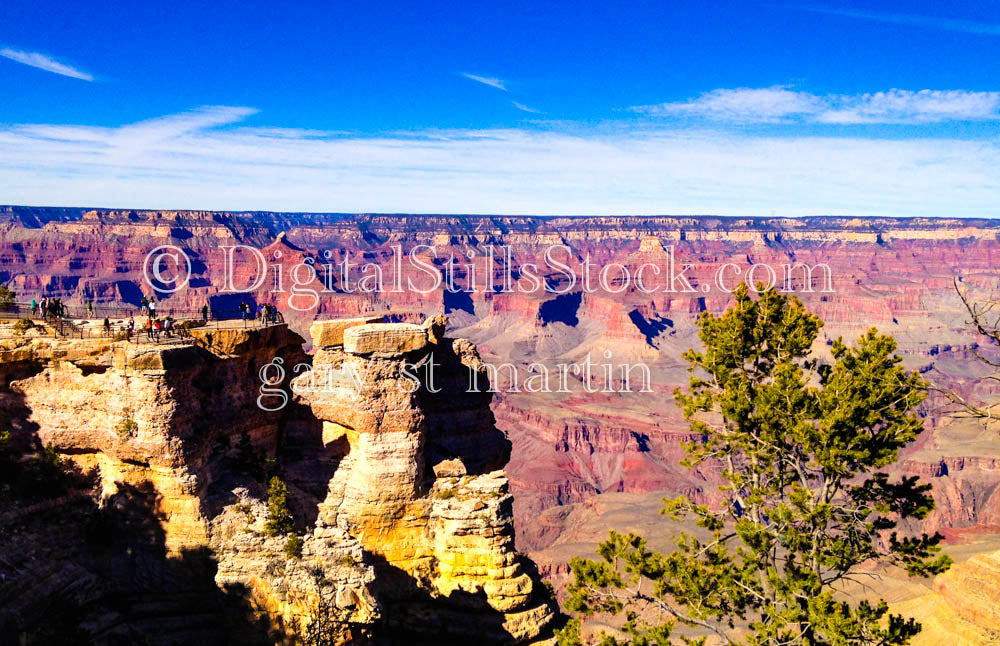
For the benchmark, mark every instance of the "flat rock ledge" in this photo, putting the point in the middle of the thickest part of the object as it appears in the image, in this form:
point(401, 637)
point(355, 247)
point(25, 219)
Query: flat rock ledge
point(385, 340)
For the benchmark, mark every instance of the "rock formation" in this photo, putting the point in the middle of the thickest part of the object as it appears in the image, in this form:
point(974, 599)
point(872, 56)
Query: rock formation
point(413, 530)
point(420, 484)
point(972, 589)
point(964, 607)
point(158, 414)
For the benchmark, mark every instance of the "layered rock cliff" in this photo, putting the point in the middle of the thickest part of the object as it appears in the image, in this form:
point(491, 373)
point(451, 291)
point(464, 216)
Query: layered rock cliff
point(396, 538)
point(420, 484)
point(964, 607)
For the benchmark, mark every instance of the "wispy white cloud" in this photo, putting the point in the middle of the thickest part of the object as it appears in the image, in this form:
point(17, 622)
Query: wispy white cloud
point(780, 104)
point(902, 106)
point(204, 159)
point(43, 62)
point(946, 24)
point(486, 80)
point(739, 104)
point(524, 108)
point(175, 125)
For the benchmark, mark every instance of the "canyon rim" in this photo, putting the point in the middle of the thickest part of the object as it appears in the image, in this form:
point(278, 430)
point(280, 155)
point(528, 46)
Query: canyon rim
point(426, 509)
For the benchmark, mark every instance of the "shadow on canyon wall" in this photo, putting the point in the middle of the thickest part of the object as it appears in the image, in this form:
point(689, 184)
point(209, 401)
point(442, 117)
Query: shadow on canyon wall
point(75, 572)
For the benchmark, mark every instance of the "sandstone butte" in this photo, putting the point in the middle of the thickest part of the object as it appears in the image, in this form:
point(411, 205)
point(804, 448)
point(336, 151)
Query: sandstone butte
point(398, 491)
point(571, 451)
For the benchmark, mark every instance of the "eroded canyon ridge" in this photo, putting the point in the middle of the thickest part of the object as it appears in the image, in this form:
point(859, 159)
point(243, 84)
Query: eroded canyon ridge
point(579, 461)
point(406, 513)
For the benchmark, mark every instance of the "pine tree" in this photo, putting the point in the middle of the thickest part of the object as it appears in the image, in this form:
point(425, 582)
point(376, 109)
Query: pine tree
point(800, 444)
point(279, 519)
point(6, 298)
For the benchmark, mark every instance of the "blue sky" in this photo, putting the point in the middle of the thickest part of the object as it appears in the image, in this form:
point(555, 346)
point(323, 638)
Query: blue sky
point(734, 108)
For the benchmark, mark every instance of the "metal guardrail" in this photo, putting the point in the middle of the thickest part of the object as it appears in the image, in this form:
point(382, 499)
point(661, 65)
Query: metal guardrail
point(22, 310)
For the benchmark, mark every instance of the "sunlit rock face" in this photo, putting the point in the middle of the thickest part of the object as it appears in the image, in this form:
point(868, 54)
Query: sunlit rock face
point(971, 589)
point(158, 427)
point(420, 484)
point(145, 413)
point(411, 533)
point(963, 608)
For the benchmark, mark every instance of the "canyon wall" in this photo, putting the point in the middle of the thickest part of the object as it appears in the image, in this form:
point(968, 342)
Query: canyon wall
point(407, 531)
point(895, 274)
point(567, 446)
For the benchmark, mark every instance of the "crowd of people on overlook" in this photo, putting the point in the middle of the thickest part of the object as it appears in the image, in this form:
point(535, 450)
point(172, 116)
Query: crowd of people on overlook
point(55, 308)
point(48, 308)
point(154, 325)
point(265, 313)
